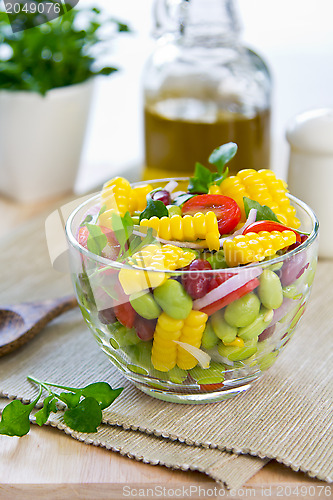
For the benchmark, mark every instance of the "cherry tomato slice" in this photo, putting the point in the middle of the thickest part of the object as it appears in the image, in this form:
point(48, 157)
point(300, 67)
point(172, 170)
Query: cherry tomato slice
point(226, 209)
point(269, 225)
point(123, 309)
point(236, 294)
point(211, 387)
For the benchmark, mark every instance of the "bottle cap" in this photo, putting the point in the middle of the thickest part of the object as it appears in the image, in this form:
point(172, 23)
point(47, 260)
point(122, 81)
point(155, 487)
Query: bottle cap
point(312, 131)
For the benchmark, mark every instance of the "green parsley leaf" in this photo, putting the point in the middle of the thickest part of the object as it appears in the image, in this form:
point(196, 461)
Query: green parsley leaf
point(15, 417)
point(96, 240)
point(222, 155)
point(180, 200)
point(71, 399)
point(102, 393)
point(82, 415)
point(87, 219)
point(85, 417)
point(102, 210)
point(263, 212)
point(217, 178)
point(48, 406)
point(122, 228)
point(201, 180)
point(154, 208)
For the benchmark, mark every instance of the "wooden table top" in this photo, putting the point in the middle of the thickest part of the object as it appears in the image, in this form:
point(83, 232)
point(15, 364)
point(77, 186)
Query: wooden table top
point(49, 464)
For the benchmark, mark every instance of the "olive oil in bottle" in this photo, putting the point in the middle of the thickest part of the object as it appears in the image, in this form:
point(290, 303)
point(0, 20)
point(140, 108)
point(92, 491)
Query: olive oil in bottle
point(203, 88)
point(174, 144)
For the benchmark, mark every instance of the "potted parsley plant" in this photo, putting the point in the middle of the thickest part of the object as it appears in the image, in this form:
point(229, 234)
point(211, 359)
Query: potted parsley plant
point(46, 80)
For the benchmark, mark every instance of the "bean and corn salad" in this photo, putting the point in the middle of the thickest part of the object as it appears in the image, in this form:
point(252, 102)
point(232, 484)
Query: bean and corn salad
point(187, 300)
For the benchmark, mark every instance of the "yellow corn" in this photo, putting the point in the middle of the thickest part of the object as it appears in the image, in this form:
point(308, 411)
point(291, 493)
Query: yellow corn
point(118, 196)
point(164, 350)
point(191, 333)
point(187, 228)
point(253, 247)
point(166, 257)
point(263, 187)
point(139, 197)
point(238, 342)
point(134, 280)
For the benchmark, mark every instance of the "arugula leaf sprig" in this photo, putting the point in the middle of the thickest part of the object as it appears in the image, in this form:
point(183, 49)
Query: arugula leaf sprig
point(203, 177)
point(83, 413)
point(263, 211)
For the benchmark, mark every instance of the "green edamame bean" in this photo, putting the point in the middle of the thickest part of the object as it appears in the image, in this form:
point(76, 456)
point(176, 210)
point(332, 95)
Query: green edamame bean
point(212, 375)
point(145, 305)
point(177, 375)
point(270, 289)
point(289, 291)
point(195, 252)
point(268, 360)
point(257, 326)
point(173, 299)
point(222, 329)
point(135, 219)
point(238, 353)
point(217, 260)
point(242, 311)
point(174, 210)
point(209, 338)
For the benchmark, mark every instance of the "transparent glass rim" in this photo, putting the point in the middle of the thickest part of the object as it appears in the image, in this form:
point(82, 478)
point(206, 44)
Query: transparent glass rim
point(118, 265)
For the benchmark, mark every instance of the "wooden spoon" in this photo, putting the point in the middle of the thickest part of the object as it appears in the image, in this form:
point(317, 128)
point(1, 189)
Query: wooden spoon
point(20, 323)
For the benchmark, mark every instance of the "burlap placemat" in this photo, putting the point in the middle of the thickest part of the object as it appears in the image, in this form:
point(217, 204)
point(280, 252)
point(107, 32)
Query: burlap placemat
point(287, 415)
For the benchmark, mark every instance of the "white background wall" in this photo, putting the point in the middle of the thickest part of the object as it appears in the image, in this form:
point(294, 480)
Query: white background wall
point(294, 36)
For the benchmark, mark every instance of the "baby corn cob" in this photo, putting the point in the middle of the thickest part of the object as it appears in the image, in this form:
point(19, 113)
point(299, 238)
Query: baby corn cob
point(263, 187)
point(187, 228)
point(164, 350)
point(166, 257)
point(253, 247)
point(191, 333)
point(118, 196)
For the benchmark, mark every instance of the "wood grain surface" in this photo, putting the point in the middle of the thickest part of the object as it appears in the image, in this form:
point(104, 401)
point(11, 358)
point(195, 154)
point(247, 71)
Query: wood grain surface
point(48, 464)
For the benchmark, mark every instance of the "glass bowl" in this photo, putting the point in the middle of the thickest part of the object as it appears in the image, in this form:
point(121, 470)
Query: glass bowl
point(176, 375)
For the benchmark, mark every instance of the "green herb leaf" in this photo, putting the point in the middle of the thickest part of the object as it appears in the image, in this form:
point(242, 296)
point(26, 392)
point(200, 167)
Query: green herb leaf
point(138, 243)
point(70, 399)
point(102, 210)
point(102, 393)
point(222, 155)
point(55, 54)
point(122, 228)
point(85, 417)
point(217, 178)
point(15, 417)
point(43, 414)
point(88, 219)
point(263, 212)
point(180, 200)
point(96, 240)
point(201, 180)
point(155, 208)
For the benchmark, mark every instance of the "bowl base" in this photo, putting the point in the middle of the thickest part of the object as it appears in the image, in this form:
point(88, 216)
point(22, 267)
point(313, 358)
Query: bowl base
point(194, 398)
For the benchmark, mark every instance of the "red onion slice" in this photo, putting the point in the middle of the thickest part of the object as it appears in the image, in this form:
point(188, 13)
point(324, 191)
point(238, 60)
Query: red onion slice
point(171, 186)
point(250, 219)
point(286, 306)
point(233, 283)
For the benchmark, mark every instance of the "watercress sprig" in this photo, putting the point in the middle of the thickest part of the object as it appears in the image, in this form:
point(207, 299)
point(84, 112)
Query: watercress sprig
point(83, 413)
point(203, 177)
point(263, 211)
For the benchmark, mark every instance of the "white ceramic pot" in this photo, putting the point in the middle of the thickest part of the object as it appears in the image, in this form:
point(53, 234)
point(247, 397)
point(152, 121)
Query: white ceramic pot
point(41, 140)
